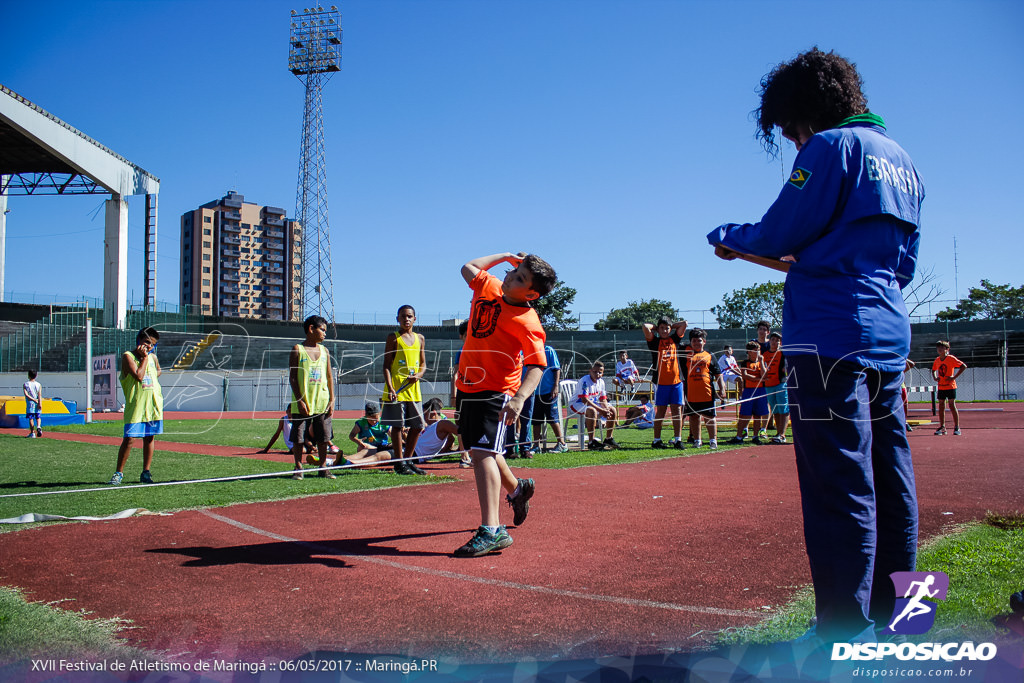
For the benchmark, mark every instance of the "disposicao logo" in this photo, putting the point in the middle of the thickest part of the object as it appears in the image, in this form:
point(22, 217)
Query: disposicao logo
point(915, 611)
point(914, 614)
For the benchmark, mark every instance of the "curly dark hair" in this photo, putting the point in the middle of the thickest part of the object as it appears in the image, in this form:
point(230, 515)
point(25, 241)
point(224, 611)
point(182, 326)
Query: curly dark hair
point(815, 88)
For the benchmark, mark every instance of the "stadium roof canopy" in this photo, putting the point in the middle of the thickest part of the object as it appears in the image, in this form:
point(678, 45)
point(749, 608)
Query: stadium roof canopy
point(40, 154)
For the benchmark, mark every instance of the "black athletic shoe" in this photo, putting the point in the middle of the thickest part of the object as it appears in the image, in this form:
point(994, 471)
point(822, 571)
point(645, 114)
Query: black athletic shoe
point(521, 504)
point(416, 469)
point(658, 443)
point(403, 468)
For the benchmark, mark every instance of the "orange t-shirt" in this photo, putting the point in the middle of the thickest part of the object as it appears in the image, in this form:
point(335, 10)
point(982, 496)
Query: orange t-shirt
point(501, 339)
point(701, 372)
point(753, 373)
point(944, 369)
point(666, 358)
point(775, 364)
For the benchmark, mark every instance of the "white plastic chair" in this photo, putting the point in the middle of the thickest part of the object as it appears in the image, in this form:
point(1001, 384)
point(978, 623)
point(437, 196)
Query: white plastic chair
point(566, 395)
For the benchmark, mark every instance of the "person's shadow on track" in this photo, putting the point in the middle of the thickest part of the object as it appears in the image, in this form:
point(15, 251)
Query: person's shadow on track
point(327, 553)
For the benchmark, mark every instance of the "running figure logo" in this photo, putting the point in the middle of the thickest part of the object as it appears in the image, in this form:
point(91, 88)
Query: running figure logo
point(915, 612)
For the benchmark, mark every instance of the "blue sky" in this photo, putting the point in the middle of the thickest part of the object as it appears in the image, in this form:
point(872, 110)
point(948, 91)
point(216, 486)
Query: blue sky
point(608, 136)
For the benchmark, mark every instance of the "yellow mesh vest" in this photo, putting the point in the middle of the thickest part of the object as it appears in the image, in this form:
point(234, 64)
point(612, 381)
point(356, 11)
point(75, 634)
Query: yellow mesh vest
point(405, 363)
point(143, 401)
point(313, 382)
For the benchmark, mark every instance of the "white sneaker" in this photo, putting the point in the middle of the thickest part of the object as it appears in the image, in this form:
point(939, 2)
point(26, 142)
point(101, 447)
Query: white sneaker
point(779, 438)
point(698, 443)
point(713, 444)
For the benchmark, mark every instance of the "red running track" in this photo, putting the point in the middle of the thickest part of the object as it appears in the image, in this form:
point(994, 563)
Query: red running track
point(615, 560)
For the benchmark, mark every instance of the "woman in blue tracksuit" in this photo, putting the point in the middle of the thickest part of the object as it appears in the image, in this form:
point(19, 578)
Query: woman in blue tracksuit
point(850, 216)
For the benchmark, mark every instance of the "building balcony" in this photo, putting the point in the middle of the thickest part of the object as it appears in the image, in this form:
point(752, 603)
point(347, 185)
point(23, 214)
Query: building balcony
point(234, 201)
point(229, 301)
point(273, 304)
point(230, 227)
point(229, 288)
point(271, 220)
point(228, 239)
point(273, 269)
point(230, 251)
point(273, 280)
point(231, 215)
point(230, 263)
point(279, 234)
point(230, 276)
point(274, 257)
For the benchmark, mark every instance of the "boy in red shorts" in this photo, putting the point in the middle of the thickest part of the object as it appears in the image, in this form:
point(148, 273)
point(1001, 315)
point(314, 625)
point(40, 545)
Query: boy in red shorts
point(946, 368)
point(505, 335)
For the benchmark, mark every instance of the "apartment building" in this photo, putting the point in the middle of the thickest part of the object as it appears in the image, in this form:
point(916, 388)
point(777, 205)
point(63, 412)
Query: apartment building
point(242, 260)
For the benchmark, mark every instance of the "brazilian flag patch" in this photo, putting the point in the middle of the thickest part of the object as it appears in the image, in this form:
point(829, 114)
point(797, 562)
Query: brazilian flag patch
point(799, 177)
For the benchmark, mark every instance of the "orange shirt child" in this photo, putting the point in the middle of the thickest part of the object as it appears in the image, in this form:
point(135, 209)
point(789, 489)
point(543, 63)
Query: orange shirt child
point(944, 368)
point(501, 339)
point(701, 374)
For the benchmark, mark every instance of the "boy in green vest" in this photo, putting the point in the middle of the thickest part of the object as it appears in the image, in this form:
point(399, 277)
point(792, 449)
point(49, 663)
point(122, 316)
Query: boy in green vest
point(312, 394)
point(143, 403)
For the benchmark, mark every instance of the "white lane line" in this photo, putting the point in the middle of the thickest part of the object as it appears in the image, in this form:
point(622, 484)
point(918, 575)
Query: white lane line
point(629, 602)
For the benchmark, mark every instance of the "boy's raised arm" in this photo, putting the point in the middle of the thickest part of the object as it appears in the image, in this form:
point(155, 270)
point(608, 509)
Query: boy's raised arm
point(470, 270)
point(648, 330)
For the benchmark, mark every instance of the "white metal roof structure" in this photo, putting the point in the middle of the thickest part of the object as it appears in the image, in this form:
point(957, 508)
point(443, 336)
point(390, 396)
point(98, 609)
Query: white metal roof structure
point(41, 154)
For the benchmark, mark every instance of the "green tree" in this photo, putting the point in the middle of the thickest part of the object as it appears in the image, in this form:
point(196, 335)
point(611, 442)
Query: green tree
point(988, 302)
point(745, 307)
point(635, 314)
point(553, 308)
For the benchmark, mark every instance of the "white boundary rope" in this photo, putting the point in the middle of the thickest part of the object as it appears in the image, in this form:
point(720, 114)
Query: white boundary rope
point(267, 475)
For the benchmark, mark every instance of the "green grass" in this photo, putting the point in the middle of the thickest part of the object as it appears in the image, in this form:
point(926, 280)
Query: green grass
point(983, 562)
point(30, 629)
point(42, 465)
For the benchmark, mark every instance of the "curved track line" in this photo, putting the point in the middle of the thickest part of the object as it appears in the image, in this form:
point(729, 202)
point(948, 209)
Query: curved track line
point(629, 602)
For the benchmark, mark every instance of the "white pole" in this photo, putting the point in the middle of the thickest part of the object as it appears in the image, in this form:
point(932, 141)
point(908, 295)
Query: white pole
point(88, 366)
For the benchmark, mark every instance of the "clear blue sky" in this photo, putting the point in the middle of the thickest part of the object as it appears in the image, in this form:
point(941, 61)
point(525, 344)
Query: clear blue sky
point(608, 136)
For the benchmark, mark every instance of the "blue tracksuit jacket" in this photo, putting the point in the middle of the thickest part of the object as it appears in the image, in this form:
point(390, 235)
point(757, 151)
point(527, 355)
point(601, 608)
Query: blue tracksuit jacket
point(850, 213)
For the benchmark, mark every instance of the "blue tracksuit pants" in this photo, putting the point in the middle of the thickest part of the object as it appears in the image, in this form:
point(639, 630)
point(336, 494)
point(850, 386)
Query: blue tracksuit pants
point(857, 489)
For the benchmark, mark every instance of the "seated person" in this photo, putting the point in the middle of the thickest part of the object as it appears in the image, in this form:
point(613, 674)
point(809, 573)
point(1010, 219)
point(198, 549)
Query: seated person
point(626, 374)
point(372, 439)
point(641, 416)
point(730, 368)
point(591, 402)
point(440, 435)
point(284, 429)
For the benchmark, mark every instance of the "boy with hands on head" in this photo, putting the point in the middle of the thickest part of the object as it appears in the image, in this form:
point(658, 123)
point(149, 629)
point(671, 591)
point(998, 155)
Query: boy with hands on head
point(504, 335)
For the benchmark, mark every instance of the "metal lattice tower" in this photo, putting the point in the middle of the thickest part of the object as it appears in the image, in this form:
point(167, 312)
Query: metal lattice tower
point(314, 54)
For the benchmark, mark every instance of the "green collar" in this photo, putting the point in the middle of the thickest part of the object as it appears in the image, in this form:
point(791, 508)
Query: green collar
point(865, 118)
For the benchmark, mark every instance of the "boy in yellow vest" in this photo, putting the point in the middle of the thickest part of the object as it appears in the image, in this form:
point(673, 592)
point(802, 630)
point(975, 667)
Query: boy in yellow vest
point(405, 362)
point(143, 403)
point(312, 394)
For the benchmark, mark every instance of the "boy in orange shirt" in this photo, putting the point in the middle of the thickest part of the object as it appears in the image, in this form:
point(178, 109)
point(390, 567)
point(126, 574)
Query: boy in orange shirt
point(945, 369)
point(666, 342)
point(702, 376)
point(754, 400)
point(505, 334)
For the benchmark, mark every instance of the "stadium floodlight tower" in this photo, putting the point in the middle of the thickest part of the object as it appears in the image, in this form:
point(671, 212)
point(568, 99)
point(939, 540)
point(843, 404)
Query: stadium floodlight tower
point(314, 54)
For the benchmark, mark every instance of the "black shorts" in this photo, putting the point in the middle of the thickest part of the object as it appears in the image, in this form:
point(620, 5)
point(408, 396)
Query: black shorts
point(705, 409)
point(949, 394)
point(480, 424)
point(315, 428)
